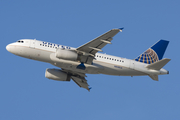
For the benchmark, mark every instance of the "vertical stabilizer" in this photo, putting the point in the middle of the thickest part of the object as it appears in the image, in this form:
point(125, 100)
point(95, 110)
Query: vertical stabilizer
point(154, 53)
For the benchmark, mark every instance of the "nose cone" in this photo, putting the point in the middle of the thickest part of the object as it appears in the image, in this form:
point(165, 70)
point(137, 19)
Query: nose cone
point(8, 48)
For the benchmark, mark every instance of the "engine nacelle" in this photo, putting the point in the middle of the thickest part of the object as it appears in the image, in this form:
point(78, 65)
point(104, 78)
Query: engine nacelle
point(66, 54)
point(57, 74)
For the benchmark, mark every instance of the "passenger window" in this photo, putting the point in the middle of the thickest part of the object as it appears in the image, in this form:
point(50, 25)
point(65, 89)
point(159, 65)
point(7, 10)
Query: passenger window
point(110, 58)
point(104, 57)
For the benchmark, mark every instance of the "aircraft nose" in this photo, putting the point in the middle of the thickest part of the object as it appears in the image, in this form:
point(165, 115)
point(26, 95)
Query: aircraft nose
point(8, 48)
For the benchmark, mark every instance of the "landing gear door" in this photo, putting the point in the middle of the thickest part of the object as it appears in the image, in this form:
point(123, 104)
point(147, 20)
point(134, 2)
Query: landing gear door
point(32, 44)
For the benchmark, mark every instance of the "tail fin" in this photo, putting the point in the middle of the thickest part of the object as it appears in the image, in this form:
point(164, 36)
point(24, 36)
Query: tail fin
point(154, 53)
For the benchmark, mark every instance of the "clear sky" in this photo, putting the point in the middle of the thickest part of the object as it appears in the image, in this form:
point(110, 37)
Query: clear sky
point(25, 93)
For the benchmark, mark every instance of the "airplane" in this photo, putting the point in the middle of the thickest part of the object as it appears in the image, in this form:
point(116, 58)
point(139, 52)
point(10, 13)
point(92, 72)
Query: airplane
point(75, 63)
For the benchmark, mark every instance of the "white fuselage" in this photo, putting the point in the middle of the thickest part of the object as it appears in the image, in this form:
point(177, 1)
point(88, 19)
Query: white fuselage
point(102, 64)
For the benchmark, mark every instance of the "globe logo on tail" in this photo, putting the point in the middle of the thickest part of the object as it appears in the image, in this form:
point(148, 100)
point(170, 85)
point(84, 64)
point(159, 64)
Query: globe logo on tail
point(149, 56)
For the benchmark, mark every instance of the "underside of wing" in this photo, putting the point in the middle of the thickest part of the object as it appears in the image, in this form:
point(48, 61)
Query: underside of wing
point(81, 82)
point(89, 49)
point(98, 43)
point(78, 78)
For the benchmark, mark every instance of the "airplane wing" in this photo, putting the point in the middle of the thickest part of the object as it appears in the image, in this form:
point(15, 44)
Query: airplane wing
point(78, 78)
point(81, 82)
point(89, 49)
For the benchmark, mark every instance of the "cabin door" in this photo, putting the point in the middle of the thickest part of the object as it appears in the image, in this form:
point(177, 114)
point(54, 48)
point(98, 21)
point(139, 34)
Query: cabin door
point(132, 64)
point(32, 44)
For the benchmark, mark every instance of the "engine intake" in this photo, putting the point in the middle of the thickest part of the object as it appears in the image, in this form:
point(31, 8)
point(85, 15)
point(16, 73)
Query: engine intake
point(66, 54)
point(57, 74)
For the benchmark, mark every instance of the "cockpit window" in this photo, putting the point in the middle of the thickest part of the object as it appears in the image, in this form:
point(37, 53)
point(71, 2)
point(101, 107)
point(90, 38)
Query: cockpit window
point(20, 41)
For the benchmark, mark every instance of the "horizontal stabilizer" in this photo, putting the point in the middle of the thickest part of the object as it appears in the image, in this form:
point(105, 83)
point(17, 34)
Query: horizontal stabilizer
point(154, 77)
point(159, 64)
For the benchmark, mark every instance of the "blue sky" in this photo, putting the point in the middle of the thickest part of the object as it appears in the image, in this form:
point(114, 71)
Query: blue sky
point(27, 94)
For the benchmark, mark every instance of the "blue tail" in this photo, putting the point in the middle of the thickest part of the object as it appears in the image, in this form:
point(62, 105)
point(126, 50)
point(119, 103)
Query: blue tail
point(154, 53)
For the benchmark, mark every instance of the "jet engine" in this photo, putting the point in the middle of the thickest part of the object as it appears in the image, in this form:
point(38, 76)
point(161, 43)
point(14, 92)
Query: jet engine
point(57, 74)
point(66, 54)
